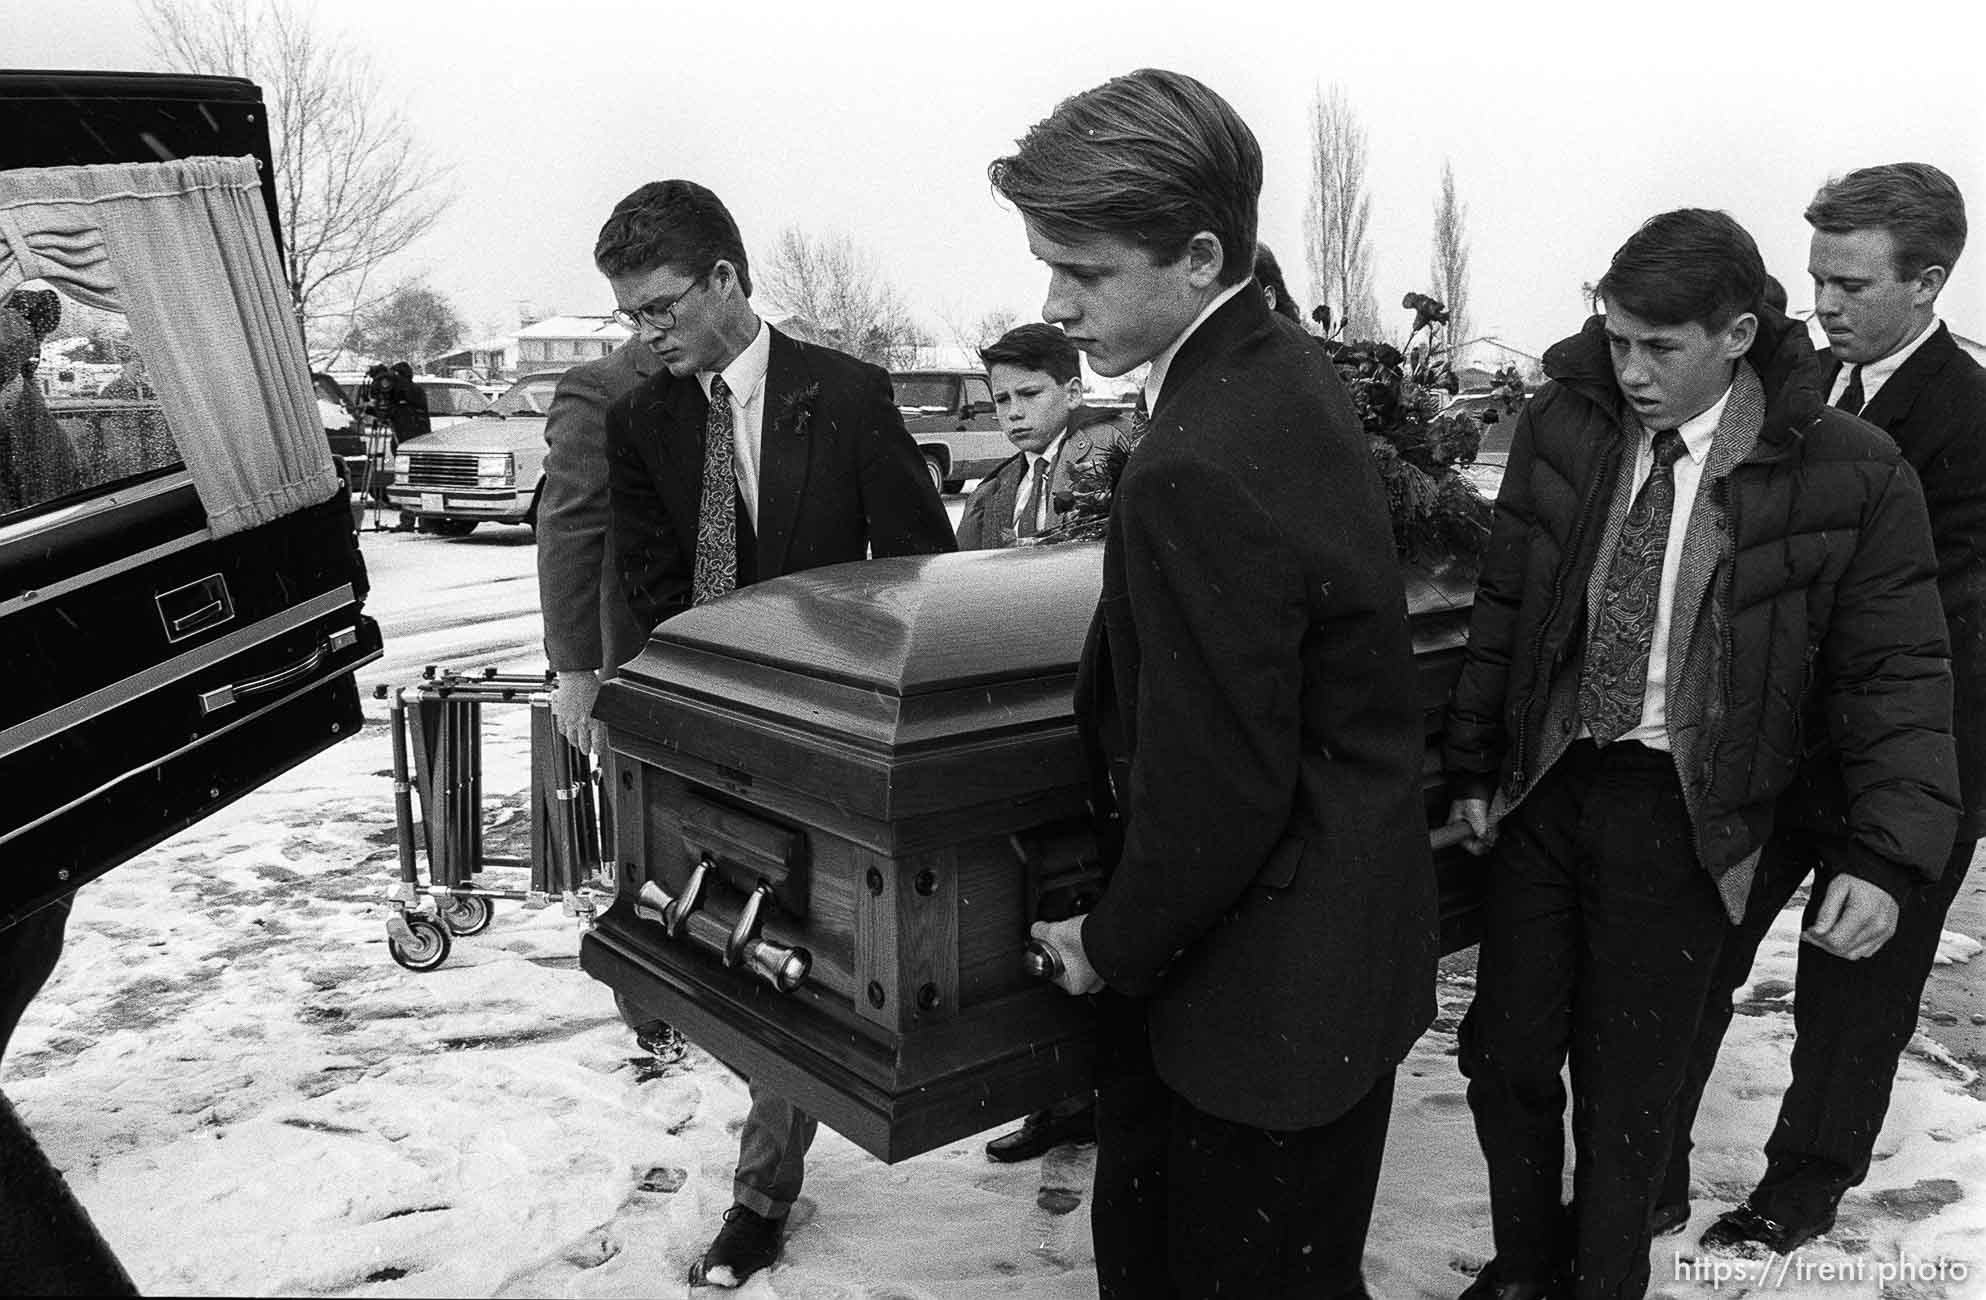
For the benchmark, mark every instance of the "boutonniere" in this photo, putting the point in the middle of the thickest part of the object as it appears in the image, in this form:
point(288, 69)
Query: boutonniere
point(1085, 506)
point(797, 410)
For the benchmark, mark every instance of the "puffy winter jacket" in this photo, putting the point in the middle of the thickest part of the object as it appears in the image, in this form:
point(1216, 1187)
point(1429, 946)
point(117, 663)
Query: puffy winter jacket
point(1821, 620)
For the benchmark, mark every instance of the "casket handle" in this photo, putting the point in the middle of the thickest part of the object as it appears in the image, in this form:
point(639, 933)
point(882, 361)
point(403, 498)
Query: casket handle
point(1042, 961)
point(654, 903)
point(782, 967)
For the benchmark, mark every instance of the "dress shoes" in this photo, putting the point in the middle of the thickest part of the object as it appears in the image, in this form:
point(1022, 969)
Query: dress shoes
point(1041, 1131)
point(1744, 1224)
point(1668, 1220)
point(747, 1243)
point(1491, 1284)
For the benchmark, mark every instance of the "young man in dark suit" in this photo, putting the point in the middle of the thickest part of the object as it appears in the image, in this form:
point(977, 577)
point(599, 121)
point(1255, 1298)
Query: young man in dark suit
point(1263, 950)
point(1035, 373)
point(1884, 243)
point(748, 455)
point(1695, 570)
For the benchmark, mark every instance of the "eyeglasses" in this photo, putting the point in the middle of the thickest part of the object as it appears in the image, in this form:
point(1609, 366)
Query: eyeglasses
point(656, 313)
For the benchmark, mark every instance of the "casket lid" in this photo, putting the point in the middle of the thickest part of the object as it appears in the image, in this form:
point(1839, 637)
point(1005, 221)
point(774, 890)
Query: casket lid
point(910, 625)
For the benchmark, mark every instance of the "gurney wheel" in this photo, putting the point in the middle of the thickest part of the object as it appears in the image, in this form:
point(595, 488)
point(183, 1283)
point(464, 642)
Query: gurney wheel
point(430, 947)
point(467, 914)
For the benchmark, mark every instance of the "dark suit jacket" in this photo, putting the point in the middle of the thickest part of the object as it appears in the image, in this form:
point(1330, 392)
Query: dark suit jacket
point(839, 478)
point(1251, 659)
point(587, 620)
point(987, 521)
point(1934, 407)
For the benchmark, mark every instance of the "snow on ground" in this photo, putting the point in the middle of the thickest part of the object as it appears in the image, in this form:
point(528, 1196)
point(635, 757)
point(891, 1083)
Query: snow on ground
point(251, 1097)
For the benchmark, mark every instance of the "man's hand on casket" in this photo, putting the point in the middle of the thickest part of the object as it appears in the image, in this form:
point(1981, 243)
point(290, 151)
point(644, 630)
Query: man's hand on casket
point(1066, 939)
point(1475, 814)
point(573, 695)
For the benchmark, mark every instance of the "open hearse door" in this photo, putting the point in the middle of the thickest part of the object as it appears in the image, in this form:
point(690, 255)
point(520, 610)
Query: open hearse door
point(180, 584)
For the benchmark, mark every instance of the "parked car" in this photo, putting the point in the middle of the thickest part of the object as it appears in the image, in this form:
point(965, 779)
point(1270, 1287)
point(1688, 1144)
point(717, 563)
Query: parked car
point(949, 413)
point(488, 469)
point(451, 401)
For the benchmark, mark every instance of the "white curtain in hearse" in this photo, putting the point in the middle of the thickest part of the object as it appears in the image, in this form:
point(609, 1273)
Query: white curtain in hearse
point(184, 250)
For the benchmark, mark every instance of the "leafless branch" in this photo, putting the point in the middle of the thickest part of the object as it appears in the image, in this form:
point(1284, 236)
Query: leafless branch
point(353, 186)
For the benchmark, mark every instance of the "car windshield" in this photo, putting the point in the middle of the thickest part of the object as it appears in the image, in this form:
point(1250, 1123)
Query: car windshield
point(454, 399)
point(924, 390)
point(528, 397)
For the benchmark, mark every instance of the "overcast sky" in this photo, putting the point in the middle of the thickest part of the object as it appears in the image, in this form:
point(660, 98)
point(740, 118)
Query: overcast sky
point(1566, 124)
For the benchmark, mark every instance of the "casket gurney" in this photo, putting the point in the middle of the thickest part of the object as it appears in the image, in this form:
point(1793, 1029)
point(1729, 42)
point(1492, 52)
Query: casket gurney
point(842, 797)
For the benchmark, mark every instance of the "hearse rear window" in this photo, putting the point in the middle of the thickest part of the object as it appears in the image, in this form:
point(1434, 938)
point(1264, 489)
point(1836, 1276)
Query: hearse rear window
point(79, 415)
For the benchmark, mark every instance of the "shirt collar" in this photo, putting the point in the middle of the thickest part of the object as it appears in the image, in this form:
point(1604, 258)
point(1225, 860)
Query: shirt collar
point(1700, 430)
point(1047, 453)
point(1155, 377)
point(746, 371)
point(1875, 372)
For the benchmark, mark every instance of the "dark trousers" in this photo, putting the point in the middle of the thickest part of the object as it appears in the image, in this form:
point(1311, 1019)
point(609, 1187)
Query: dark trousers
point(1601, 935)
point(1852, 1020)
point(1189, 1206)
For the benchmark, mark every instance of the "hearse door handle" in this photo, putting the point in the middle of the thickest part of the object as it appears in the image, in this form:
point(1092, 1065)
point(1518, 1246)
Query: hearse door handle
point(222, 696)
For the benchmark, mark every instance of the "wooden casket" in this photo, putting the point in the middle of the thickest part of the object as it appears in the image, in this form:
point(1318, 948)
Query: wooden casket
point(840, 799)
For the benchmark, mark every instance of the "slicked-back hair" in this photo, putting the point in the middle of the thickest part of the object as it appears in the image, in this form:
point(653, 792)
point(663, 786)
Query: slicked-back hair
point(1269, 272)
point(1034, 347)
point(1916, 203)
point(679, 224)
point(1151, 157)
point(1693, 265)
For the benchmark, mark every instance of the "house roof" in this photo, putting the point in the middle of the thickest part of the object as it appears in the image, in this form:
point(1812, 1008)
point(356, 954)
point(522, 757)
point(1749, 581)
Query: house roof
point(576, 327)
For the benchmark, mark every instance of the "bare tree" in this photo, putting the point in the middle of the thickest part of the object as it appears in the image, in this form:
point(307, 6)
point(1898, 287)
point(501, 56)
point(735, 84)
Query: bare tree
point(1449, 267)
point(413, 323)
point(969, 334)
point(840, 288)
point(1338, 214)
point(352, 185)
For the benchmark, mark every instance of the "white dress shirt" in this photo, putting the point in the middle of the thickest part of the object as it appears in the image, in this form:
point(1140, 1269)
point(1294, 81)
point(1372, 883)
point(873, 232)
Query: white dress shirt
point(745, 377)
point(1155, 377)
point(1698, 433)
point(1876, 373)
point(1043, 507)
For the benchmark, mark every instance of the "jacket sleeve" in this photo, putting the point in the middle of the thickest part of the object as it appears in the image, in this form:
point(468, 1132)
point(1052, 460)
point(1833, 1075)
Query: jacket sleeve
point(656, 565)
point(1889, 694)
point(904, 512)
point(976, 532)
point(573, 515)
point(1473, 742)
point(1221, 618)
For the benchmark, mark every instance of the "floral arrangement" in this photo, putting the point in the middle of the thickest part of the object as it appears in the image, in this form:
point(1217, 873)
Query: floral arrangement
point(1439, 517)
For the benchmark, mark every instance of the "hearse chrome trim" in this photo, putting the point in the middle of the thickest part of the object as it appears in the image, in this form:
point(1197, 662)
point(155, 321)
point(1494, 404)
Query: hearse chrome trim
point(125, 564)
point(62, 717)
point(123, 496)
point(163, 759)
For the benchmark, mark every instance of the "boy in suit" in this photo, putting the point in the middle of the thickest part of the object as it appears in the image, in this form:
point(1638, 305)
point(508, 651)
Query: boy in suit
point(1037, 385)
point(1695, 570)
point(1263, 950)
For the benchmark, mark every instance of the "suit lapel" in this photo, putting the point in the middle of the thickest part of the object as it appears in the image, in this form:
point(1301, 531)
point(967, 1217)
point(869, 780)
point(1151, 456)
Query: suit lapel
point(785, 451)
point(1898, 394)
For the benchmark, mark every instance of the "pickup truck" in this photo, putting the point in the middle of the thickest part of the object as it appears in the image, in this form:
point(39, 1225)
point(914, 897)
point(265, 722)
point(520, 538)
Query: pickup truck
point(949, 413)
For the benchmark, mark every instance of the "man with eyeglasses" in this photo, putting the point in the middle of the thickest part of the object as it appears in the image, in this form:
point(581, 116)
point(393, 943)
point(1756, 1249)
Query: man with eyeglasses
point(749, 455)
